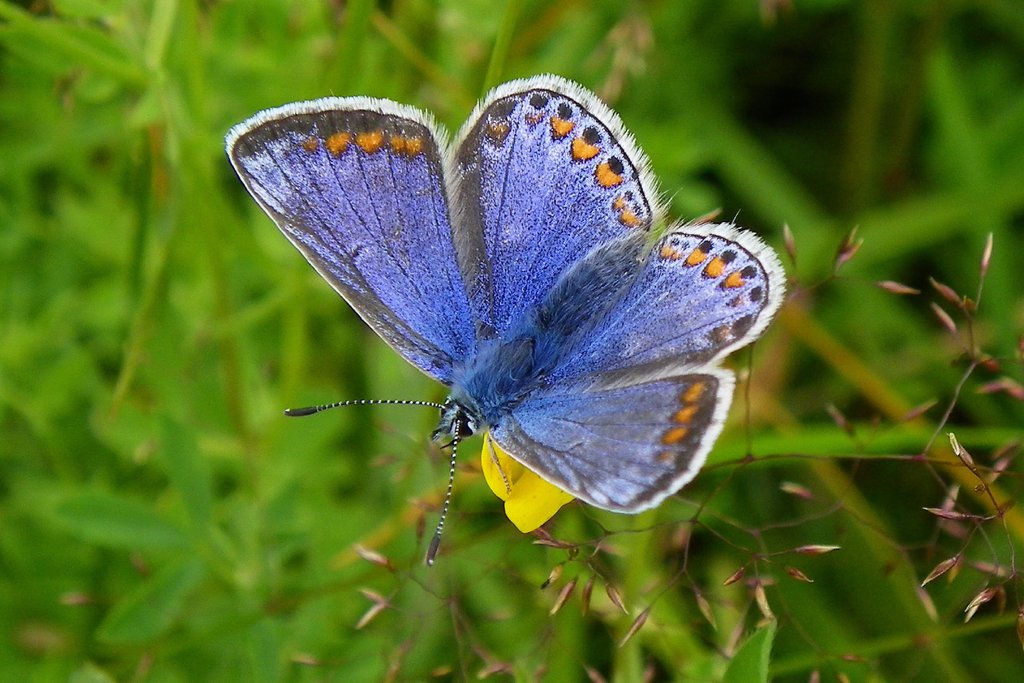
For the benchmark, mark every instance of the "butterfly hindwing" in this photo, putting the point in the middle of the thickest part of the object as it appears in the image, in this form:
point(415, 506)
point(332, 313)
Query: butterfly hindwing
point(545, 173)
point(358, 186)
point(636, 398)
point(621, 447)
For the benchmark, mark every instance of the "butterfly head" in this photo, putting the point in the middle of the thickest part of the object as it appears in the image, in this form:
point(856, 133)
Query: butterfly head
point(457, 420)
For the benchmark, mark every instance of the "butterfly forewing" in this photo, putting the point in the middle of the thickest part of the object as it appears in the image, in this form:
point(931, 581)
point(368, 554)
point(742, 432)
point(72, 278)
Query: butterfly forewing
point(545, 173)
point(358, 186)
point(702, 292)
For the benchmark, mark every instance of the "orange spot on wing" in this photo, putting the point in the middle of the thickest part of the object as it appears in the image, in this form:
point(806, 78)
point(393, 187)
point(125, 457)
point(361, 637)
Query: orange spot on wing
point(715, 268)
point(685, 415)
point(534, 119)
point(606, 177)
point(669, 254)
point(629, 218)
point(694, 392)
point(583, 150)
point(734, 280)
point(560, 127)
point(413, 146)
point(498, 131)
point(674, 435)
point(665, 457)
point(338, 143)
point(371, 141)
point(696, 257)
point(310, 144)
point(407, 147)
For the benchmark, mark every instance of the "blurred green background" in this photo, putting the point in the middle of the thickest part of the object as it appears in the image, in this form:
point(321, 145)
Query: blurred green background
point(161, 521)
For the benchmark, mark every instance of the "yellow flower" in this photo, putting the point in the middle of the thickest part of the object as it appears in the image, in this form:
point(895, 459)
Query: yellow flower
point(529, 500)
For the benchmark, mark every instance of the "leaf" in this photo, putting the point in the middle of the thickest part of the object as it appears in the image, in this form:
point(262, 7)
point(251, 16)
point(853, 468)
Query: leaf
point(750, 663)
point(152, 607)
point(109, 520)
point(84, 45)
point(188, 473)
point(86, 9)
point(90, 673)
point(263, 643)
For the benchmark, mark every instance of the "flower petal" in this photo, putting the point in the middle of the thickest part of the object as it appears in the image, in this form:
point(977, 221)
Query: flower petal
point(500, 470)
point(529, 500)
point(533, 502)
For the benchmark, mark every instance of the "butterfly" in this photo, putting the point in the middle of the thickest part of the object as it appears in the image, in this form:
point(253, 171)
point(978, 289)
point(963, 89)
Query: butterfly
point(521, 266)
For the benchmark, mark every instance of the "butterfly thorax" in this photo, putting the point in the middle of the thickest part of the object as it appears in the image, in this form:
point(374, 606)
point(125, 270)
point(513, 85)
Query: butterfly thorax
point(505, 371)
point(493, 383)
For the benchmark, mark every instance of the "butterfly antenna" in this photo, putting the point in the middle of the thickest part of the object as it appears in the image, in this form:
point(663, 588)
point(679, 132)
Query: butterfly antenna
point(313, 410)
point(435, 542)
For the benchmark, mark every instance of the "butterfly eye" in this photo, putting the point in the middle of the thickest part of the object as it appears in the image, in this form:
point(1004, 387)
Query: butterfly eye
point(468, 425)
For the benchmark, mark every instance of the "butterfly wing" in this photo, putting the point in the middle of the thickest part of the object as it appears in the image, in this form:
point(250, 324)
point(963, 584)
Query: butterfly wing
point(620, 447)
point(628, 416)
point(545, 172)
point(702, 292)
point(358, 186)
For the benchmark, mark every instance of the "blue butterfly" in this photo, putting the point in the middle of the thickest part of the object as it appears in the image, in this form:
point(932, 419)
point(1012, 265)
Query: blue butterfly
point(518, 267)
